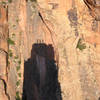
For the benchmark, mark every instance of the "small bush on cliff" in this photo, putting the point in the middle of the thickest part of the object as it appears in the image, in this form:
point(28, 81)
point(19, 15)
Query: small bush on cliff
point(10, 1)
point(81, 46)
point(18, 96)
point(10, 53)
point(33, 0)
point(10, 41)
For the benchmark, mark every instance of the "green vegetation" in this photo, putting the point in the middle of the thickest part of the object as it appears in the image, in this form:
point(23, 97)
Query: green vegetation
point(17, 20)
point(10, 41)
point(19, 74)
point(18, 68)
point(33, 0)
point(8, 62)
point(3, 2)
point(18, 96)
point(13, 34)
point(18, 83)
point(81, 46)
point(19, 62)
point(16, 57)
point(10, 53)
point(18, 79)
point(10, 1)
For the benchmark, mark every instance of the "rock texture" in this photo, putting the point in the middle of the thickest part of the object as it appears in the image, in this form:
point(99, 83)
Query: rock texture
point(71, 20)
point(3, 52)
point(70, 26)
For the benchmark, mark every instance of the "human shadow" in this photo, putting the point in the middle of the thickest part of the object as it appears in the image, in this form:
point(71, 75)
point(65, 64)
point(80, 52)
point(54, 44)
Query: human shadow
point(41, 75)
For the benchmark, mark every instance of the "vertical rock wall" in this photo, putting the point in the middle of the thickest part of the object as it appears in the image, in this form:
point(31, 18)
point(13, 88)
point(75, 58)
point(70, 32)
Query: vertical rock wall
point(78, 71)
point(65, 24)
point(3, 52)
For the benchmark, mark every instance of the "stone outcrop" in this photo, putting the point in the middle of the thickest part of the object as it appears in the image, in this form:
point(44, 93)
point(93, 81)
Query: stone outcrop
point(70, 26)
point(78, 70)
point(3, 52)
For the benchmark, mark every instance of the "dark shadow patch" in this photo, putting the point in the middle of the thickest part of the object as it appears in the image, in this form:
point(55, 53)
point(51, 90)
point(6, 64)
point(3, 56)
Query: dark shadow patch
point(32, 88)
point(54, 5)
point(72, 16)
point(94, 25)
point(99, 98)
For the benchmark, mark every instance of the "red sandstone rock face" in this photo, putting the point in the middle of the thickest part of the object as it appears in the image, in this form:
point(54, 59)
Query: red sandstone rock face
point(94, 7)
point(3, 52)
point(71, 22)
point(60, 23)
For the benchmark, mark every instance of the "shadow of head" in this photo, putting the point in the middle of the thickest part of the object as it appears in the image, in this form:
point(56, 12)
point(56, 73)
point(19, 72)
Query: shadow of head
point(43, 50)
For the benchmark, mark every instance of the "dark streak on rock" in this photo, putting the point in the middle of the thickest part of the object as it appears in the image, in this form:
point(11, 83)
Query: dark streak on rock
point(95, 45)
point(54, 5)
point(5, 88)
point(0, 13)
point(2, 50)
point(94, 25)
point(46, 26)
point(72, 16)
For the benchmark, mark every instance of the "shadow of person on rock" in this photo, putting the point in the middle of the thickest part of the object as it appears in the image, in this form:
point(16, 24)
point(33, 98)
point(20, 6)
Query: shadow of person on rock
point(41, 75)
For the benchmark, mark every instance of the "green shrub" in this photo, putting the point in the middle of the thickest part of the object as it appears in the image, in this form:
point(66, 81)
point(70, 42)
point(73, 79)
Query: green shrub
point(10, 1)
point(19, 62)
point(17, 96)
point(33, 0)
point(81, 46)
point(18, 68)
point(3, 2)
point(16, 57)
point(18, 83)
point(10, 53)
point(11, 42)
point(19, 74)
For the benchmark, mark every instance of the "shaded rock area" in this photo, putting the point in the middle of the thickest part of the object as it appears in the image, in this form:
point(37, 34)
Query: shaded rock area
point(41, 75)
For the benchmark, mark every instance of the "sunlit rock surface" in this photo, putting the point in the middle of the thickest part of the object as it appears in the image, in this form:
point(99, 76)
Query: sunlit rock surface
point(74, 34)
